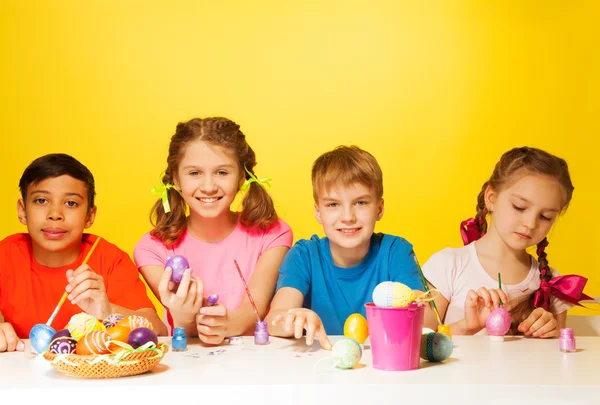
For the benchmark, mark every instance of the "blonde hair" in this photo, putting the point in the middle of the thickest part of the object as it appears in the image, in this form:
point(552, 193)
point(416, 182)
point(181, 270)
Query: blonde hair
point(257, 207)
point(346, 165)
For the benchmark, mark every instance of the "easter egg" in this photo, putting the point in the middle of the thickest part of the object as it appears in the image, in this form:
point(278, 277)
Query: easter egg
point(135, 321)
point(357, 328)
point(120, 333)
point(62, 344)
point(95, 342)
point(141, 336)
point(436, 346)
point(178, 264)
point(391, 294)
point(498, 322)
point(40, 337)
point(82, 323)
point(112, 320)
point(346, 353)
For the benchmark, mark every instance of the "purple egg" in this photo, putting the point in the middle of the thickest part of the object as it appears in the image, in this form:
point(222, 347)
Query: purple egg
point(141, 336)
point(63, 344)
point(62, 333)
point(178, 264)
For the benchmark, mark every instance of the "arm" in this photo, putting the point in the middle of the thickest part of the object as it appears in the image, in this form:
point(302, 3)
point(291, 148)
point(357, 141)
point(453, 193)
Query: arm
point(214, 323)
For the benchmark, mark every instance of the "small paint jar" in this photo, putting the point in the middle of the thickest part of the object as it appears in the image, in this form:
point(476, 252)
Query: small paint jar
point(261, 334)
point(179, 342)
point(566, 342)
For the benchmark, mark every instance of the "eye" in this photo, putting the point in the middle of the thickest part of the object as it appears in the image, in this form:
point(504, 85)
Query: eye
point(222, 173)
point(72, 204)
point(361, 203)
point(518, 208)
point(545, 218)
point(194, 173)
point(331, 205)
point(40, 201)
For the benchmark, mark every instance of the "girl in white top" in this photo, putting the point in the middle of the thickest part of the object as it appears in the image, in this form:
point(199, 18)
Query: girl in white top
point(527, 191)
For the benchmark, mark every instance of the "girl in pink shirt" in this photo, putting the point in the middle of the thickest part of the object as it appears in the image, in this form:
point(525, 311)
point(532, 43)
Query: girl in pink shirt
point(527, 191)
point(209, 162)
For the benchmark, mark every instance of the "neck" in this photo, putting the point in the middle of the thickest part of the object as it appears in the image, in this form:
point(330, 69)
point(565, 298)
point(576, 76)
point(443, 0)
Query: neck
point(212, 229)
point(492, 246)
point(56, 259)
point(343, 257)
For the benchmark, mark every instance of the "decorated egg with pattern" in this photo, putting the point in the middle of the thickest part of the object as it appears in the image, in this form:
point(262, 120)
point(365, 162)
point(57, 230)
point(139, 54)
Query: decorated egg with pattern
point(112, 320)
point(346, 353)
point(82, 323)
point(63, 345)
point(135, 321)
point(436, 346)
point(95, 342)
point(392, 294)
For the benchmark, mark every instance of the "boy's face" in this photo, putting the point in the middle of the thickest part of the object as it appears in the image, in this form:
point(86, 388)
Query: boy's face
point(348, 215)
point(56, 213)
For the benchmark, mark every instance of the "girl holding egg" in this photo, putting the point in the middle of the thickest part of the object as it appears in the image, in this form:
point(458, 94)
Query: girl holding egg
point(209, 162)
point(529, 188)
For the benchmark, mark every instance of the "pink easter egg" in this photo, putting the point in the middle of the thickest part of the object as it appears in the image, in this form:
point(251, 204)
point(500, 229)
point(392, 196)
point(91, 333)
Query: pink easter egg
point(498, 322)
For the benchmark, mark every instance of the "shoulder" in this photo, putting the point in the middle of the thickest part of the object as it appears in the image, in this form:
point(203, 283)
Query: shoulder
point(149, 242)
point(16, 240)
point(392, 241)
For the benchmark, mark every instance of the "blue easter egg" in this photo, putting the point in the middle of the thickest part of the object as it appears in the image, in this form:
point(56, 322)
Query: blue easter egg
point(436, 346)
point(40, 337)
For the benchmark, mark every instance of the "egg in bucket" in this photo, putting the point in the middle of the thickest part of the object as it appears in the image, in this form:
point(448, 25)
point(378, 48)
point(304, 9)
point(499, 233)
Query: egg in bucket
point(395, 319)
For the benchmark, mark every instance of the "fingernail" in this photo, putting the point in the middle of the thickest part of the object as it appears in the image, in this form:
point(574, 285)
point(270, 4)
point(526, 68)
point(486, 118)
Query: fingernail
point(69, 288)
point(187, 271)
point(21, 347)
point(202, 311)
point(70, 297)
point(70, 279)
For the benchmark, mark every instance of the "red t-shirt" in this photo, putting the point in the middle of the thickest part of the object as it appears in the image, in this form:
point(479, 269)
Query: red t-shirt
point(29, 292)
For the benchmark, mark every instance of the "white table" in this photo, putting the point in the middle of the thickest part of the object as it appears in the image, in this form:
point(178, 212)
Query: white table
point(517, 371)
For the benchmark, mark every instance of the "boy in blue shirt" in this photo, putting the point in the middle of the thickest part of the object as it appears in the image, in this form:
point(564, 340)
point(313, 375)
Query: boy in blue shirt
point(322, 281)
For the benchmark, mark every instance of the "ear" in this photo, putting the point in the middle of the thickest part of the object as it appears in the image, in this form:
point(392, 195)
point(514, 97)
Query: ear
point(89, 221)
point(490, 197)
point(318, 213)
point(380, 209)
point(21, 212)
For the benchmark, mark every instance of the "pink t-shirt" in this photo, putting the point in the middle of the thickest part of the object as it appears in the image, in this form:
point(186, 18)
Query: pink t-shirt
point(213, 262)
point(456, 271)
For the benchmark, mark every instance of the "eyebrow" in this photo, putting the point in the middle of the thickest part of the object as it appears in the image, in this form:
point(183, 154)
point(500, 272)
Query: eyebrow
point(529, 202)
point(362, 197)
point(45, 192)
point(228, 166)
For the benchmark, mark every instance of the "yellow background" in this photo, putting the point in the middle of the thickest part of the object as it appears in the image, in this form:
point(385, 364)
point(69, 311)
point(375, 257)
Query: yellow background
point(437, 91)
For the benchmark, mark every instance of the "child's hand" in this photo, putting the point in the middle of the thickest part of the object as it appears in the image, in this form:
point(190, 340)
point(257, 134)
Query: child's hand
point(212, 324)
point(183, 303)
point(540, 323)
point(86, 289)
point(9, 341)
point(479, 305)
point(304, 319)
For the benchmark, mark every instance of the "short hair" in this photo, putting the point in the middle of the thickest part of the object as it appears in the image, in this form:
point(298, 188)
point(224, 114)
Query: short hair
point(346, 165)
point(55, 165)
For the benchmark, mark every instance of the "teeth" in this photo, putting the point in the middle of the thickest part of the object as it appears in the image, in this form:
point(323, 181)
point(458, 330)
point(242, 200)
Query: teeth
point(349, 230)
point(208, 200)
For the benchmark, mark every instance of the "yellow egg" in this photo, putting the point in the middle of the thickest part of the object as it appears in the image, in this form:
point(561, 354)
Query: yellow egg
point(403, 296)
point(357, 328)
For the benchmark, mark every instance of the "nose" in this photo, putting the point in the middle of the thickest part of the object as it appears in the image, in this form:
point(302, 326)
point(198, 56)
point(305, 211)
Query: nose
point(208, 185)
point(530, 220)
point(348, 215)
point(55, 212)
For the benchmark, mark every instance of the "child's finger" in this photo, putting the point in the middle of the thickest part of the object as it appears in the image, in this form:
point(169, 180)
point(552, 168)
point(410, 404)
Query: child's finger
point(289, 320)
point(323, 339)
point(546, 328)
point(299, 326)
point(163, 285)
point(276, 320)
point(472, 299)
point(184, 285)
point(531, 319)
point(199, 295)
point(495, 297)
point(310, 332)
point(503, 296)
point(485, 295)
point(81, 269)
point(215, 310)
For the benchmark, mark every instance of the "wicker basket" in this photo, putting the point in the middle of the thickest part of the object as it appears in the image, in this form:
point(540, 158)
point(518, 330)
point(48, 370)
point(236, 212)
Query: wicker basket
point(85, 367)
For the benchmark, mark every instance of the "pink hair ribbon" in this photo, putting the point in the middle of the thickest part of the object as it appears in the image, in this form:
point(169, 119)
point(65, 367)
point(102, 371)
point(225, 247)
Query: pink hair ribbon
point(568, 288)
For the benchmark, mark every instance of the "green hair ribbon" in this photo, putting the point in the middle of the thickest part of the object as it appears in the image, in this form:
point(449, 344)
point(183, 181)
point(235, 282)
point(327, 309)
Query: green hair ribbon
point(264, 183)
point(161, 191)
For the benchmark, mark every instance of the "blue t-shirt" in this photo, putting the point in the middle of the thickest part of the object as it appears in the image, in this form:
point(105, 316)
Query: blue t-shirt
point(335, 293)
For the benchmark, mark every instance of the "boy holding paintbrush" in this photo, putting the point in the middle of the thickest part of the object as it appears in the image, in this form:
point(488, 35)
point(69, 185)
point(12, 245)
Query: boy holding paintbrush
point(324, 280)
point(37, 267)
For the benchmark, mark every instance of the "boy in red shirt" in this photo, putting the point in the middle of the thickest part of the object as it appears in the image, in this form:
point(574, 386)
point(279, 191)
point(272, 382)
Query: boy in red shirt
point(36, 268)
